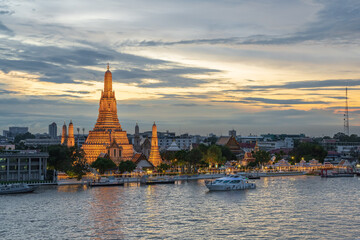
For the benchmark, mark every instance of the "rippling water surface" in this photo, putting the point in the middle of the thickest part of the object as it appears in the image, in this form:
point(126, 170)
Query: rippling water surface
point(300, 207)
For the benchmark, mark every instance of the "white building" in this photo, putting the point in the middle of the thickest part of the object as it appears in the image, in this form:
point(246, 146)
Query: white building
point(23, 165)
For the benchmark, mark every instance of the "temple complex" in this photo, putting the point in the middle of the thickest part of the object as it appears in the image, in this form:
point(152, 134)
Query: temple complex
point(107, 135)
point(155, 158)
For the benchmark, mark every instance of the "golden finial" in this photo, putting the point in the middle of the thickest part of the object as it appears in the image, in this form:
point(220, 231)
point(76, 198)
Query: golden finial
point(108, 67)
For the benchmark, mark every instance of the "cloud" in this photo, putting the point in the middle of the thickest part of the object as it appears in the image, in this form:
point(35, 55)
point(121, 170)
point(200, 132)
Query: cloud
point(337, 22)
point(67, 64)
point(288, 102)
point(170, 77)
point(6, 12)
point(313, 85)
point(4, 29)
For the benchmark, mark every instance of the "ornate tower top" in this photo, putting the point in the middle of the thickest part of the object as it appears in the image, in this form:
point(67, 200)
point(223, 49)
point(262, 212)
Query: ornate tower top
point(107, 118)
point(154, 131)
point(107, 81)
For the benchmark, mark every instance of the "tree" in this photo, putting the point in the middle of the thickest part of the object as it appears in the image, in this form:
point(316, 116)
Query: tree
point(127, 166)
point(262, 157)
point(59, 158)
point(214, 155)
point(203, 148)
point(279, 156)
point(24, 136)
point(168, 155)
point(212, 140)
point(69, 160)
point(80, 166)
point(194, 158)
point(225, 151)
point(181, 159)
point(309, 151)
point(103, 164)
point(163, 167)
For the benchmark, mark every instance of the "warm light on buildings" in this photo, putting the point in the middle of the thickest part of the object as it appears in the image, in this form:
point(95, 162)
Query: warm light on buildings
point(107, 135)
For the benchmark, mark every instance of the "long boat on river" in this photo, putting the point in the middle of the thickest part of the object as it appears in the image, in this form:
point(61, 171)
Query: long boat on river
point(156, 180)
point(107, 182)
point(16, 188)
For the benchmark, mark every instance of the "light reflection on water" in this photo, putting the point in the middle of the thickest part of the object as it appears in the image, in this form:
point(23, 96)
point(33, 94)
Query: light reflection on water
point(300, 207)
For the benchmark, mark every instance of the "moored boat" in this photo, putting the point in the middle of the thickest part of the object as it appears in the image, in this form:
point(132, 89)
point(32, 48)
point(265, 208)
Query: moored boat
point(229, 183)
point(158, 180)
point(16, 188)
point(107, 182)
point(253, 176)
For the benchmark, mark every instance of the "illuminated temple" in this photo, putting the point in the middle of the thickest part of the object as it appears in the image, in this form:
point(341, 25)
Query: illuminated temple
point(155, 157)
point(107, 136)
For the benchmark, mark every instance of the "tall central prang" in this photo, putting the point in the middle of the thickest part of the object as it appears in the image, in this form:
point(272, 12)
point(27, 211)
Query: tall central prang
point(107, 136)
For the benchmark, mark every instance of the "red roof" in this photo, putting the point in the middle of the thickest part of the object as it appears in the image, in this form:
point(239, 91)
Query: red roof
point(247, 145)
point(284, 150)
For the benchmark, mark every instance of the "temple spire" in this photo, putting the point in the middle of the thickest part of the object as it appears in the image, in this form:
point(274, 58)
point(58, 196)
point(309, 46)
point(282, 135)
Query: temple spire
point(107, 81)
point(155, 157)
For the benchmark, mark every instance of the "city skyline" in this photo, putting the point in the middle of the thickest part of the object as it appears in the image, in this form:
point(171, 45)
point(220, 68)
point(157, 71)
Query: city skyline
point(279, 67)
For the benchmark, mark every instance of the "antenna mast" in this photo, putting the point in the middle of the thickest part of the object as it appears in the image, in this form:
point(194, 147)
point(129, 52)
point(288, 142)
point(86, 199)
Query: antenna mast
point(346, 114)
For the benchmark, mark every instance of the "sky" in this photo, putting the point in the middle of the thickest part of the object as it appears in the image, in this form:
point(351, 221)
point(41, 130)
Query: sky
point(193, 66)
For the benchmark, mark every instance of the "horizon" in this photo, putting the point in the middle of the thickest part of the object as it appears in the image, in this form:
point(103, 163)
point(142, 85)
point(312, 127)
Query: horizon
point(258, 68)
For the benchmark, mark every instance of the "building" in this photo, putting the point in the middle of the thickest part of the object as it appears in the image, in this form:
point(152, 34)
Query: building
point(107, 130)
point(14, 131)
point(23, 165)
point(248, 157)
point(146, 147)
point(287, 143)
point(70, 138)
point(184, 142)
point(231, 143)
point(64, 135)
point(80, 139)
point(40, 142)
point(53, 130)
point(173, 147)
point(141, 162)
point(154, 157)
point(67, 138)
point(137, 146)
point(232, 133)
point(7, 146)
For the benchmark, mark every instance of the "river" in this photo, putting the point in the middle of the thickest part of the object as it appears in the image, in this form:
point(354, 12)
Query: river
point(297, 207)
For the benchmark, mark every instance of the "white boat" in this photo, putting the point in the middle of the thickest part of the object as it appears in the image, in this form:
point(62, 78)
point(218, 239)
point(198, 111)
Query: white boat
point(229, 183)
point(107, 182)
point(16, 188)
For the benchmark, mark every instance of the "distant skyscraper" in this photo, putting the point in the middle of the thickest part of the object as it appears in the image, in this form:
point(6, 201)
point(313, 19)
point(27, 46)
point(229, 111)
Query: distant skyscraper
point(232, 133)
point(14, 131)
point(53, 130)
point(154, 157)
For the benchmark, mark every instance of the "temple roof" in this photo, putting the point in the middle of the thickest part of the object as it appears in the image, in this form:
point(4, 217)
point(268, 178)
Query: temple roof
point(173, 147)
point(223, 141)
